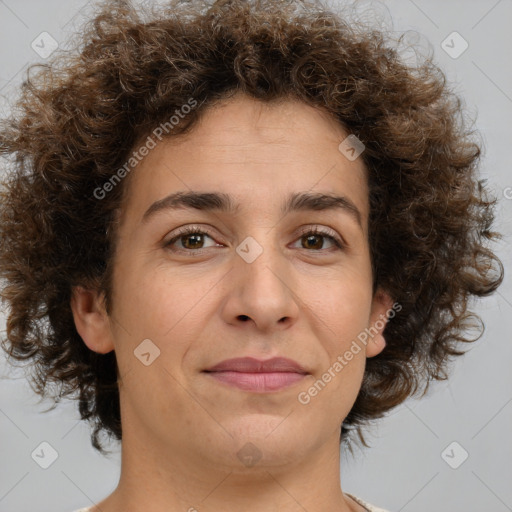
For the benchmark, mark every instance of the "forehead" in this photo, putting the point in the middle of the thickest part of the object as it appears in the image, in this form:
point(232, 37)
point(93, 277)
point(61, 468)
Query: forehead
point(254, 151)
point(283, 129)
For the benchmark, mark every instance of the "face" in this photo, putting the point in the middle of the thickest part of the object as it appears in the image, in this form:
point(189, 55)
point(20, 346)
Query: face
point(261, 282)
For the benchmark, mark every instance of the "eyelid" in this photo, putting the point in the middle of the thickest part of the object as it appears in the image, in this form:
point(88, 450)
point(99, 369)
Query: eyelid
point(191, 229)
point(309, 229)
point(323, 230)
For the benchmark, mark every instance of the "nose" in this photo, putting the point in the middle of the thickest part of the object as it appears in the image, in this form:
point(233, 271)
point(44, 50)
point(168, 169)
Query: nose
point(261, 292)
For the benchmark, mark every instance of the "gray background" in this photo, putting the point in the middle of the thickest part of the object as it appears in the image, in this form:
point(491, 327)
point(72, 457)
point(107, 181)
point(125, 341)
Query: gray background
point(404, 470)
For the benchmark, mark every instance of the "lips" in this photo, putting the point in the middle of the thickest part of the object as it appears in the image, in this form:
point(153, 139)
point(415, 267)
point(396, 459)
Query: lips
point(252, 365)
point(255, 375)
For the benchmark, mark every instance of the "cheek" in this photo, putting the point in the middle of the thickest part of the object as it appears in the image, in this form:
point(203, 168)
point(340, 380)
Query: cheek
point(172, 313)
point(177, 304)
point(328, 399)
point(156, 301)
point(343, 309)
point(340, 314)
point(160, 317)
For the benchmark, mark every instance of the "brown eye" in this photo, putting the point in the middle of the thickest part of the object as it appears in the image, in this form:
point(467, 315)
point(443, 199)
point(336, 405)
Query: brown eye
point(191, 239)
point(194, 239)
point(313, 240)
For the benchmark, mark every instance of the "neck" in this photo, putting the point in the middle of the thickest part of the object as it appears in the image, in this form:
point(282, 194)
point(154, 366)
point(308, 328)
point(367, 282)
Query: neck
point(166, 479)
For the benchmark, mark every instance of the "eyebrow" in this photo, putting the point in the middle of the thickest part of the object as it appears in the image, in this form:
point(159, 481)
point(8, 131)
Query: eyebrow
point(221, 202)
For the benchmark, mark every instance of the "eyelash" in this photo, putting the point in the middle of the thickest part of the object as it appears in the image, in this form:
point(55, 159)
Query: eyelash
point(193, 230)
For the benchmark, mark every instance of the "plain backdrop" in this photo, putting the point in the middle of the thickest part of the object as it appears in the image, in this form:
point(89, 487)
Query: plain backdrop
point(415, 460)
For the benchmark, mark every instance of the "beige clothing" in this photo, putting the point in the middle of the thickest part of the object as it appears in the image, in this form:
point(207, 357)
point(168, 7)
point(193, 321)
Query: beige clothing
point(367, 506)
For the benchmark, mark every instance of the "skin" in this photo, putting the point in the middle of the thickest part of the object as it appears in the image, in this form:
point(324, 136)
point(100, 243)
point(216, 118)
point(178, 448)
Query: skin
point(303, 300)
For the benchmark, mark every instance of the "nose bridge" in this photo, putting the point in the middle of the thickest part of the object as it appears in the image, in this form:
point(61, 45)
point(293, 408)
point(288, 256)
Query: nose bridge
point(263, 280)
point(261, 260)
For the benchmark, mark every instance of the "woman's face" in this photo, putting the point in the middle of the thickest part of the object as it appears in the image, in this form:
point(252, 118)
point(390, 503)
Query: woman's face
point(252, 283)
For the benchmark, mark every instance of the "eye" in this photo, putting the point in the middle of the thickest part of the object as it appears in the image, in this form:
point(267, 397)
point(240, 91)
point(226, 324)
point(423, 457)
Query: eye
point(192, 240)
point(312, 239)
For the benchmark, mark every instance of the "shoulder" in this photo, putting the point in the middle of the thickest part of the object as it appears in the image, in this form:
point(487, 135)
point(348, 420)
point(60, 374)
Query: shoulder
point(366, 505)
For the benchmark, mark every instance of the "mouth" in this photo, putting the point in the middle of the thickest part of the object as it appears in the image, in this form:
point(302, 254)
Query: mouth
point(258, 376)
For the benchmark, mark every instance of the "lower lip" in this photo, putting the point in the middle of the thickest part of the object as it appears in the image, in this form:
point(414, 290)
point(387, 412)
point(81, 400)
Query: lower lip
point(258, 382)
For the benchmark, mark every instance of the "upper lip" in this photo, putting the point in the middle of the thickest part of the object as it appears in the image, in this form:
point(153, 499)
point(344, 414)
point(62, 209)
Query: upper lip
point(252, 365)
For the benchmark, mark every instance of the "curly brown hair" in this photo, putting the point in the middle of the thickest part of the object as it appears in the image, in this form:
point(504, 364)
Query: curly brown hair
point(79, 117)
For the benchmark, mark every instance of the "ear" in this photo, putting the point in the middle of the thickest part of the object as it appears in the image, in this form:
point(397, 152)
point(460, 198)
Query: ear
point(382, 305)
point(91, 319)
